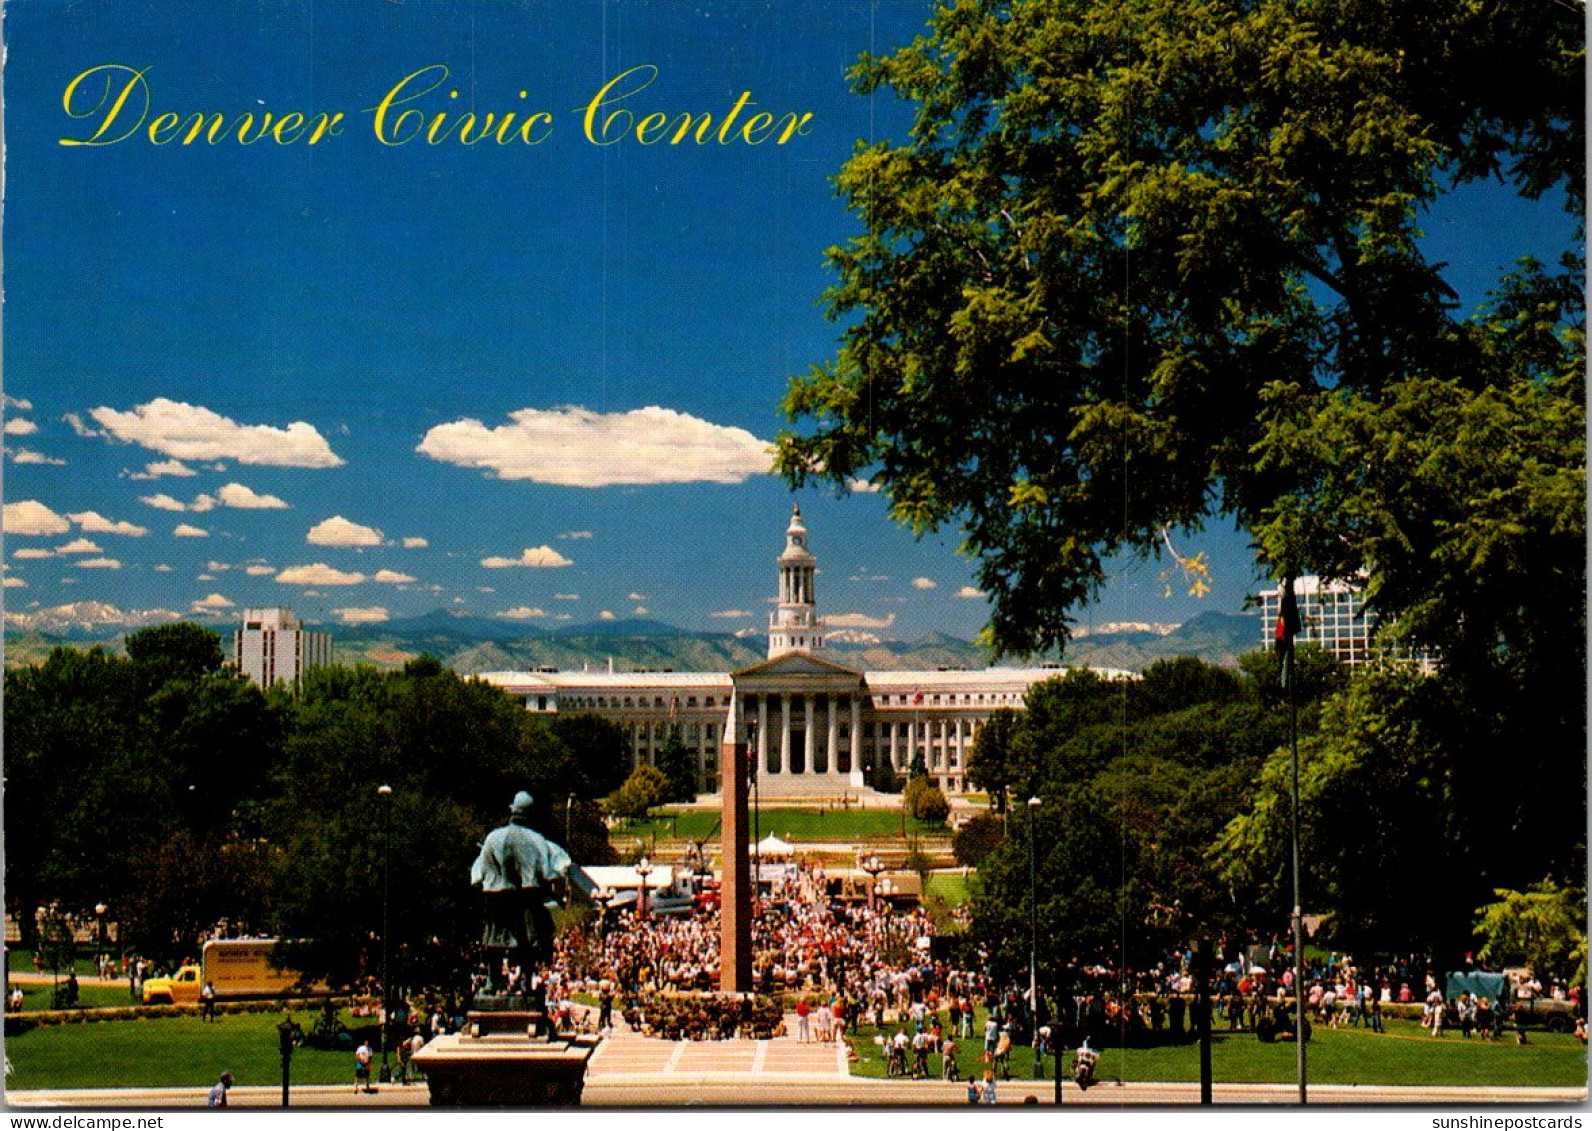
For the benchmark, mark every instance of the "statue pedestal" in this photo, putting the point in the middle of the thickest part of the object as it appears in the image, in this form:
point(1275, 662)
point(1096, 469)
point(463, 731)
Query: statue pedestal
point(506, 1058)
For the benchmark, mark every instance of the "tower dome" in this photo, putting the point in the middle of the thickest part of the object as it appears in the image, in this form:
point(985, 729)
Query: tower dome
point(795, 625)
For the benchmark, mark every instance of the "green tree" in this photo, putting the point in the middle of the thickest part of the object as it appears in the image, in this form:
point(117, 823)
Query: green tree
point(977, 838)
point(990, 761)
point(679, 767)
point(1543, 926)
point(645, 788)
point(926, 801)
point(180, 650)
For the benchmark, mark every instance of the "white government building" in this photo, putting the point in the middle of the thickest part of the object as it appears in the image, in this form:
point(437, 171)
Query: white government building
point(818, 726)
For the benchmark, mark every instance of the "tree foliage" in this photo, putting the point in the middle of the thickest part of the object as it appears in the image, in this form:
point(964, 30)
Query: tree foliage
point(174, 791)
point(926, 801)
point(679, 767)
point(1543, 926)
point(645, 788)
point(1138, 262)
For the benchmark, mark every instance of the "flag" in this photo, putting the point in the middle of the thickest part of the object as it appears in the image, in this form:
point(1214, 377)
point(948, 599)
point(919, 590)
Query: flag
point(1287, 617)
point(1287, 628)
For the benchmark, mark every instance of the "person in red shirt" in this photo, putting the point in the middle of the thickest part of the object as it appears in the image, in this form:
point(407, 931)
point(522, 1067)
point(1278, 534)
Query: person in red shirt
point(804, 1032)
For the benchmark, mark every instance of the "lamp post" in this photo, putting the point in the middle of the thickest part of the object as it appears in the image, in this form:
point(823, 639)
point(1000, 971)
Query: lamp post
point(385, 792)
point(872, 865)
point(603, 896)
point(1033, 915)
point(643, 869)
point(99, 914)
point(569, 817)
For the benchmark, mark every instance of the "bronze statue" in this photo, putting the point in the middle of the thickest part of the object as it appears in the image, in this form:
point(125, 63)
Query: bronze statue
point(516, 871)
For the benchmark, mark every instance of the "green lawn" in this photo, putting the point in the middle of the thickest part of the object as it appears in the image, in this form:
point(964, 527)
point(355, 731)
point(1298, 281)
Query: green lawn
point(186, 1052)
point(806, 825)
point(1403, 1055)
point(952, 887)
point(168, 1052)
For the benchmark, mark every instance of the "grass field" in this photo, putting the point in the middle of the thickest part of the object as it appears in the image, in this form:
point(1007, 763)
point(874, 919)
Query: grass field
point(168, 1052)
point(186, 1052)
point(804, 825)
point(1403, 1055)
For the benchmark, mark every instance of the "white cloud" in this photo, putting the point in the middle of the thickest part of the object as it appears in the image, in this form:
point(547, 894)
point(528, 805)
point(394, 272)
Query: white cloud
point(17, 426)
point(213, 602)
point(258, 570)
point(485, 589)
point(860, 620)
point(392, 577)
point(17, 403)
point(566, 596)
point(163, 568)
point(32, 517)
point(15, 583)
point(969, 593)
point(575, 447)
point(23, 455)
point(415, 543)
point(606, 615)
point(924, 583)
point(79, 546)
point(153, 470)
point(862, 487)
point(204, 577)
point(99, 563)
point(79, 427)
point(576, 535)
point(636, 597)
point(184, 530)
point(731, 614)
point(521, 613)
point(373, 615)
point(538, 557)
point(338, 531)
point(241, 497)
point(318, 574)
point(163, 502)
point(640, 611)
point(864, 575)
point(217, 567)
point(92, 522)
point(28, 552)
point(202, 503)
point(186, 431)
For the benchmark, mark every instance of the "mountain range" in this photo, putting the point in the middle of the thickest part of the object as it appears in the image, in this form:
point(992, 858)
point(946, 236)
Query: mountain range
point(470, 645)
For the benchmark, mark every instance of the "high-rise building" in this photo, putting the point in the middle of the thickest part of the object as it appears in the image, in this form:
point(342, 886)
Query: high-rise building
point(272, 646)
point(1333, 615)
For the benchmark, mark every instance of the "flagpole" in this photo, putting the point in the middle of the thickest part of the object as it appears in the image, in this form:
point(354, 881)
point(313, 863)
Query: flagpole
point(1287, 629)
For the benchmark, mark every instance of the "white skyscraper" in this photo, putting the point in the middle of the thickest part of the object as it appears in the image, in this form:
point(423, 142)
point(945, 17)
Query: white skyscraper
point(272, 646)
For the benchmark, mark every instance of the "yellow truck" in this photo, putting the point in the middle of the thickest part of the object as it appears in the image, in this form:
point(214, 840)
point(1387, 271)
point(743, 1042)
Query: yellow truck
point(238, 968)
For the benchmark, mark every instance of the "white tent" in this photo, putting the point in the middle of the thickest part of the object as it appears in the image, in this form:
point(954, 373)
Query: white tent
point(771, 845)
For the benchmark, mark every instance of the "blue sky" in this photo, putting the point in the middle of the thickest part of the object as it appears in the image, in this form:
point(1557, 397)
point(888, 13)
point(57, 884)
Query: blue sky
point(370, 380)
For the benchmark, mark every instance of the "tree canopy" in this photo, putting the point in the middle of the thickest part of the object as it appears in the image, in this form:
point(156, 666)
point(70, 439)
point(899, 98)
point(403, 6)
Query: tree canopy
point(1140, 263)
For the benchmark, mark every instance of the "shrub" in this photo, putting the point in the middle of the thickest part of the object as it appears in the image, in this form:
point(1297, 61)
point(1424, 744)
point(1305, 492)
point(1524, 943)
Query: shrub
point(926, 801)
point(977, 838)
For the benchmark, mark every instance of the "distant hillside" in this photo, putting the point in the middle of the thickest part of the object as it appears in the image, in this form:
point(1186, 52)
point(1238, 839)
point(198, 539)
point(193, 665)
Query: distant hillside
point(471, 645)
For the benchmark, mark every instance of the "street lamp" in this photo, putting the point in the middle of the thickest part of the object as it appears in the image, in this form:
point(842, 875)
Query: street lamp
point(99, 912)
point(385, 792)
point(1033, 916)
point(872, 865)
point(603, 896)
point(643, 869)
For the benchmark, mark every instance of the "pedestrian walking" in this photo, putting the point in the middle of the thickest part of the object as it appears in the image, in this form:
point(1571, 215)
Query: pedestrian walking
point(362, 1058)
point(218, 1093)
